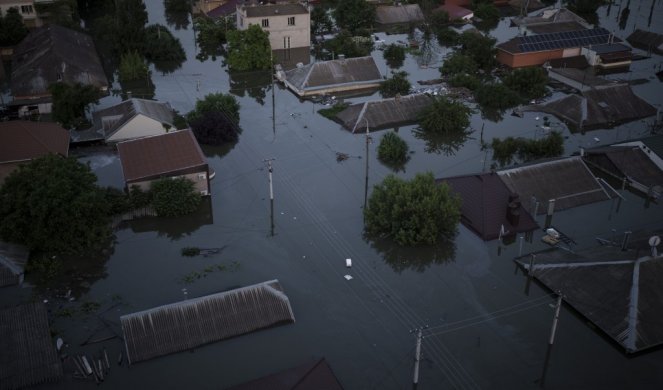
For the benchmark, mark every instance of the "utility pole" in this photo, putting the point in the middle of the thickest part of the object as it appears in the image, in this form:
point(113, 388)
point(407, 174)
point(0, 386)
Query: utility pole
point(271, 194)
point(271, 61)
point(368, 140)
point(417, 359)
point(555, 319)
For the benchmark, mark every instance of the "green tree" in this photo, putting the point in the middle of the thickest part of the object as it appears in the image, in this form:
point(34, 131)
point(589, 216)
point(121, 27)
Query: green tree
point(60, 12)
point(458, 63)
point(353, 15)
point(216, 102)
point(129, 28)
point(249, 49)
point(174, 197)
point(321, 23)
point(161, 45)
point(12, 29)
point(348, 45)
point(481, 48)
point(211, 35)
point(393, 150)
point(506, 150)
point(496, 96)
point(444, 116)
point(447, 37)
point(439, 20)
point(488, 13)
point(530, 83)
point(133, 67)
point(465, 80)
point(413, 212)
point(398, 84)
point(53, 205)
point(395, 55)
point(71, 101)
point(177, 13)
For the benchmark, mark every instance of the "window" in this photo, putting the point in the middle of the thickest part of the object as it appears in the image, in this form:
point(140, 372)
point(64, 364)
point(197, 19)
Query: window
point(26, 9)
point(265, 22)
point(202, 176)
point(204, 193)
point(241, 21)
point(291, 21)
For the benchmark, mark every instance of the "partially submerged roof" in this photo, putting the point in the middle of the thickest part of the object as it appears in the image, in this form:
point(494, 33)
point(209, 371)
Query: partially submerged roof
point(110, 120)
point(27, 352)
point(404, 13)
point(547, 28)
point(600, 107)
point(334, 73)
point(628, 162)
point(567, 180)
point(261, 10)
point(578, 62)
point(454, 11)
point(315, 375)
point(225, 9)
point(557, 40)
point(26, 140)
point(646, 40)
point(191, 323)
point(384, 113)
point(160, 155)
point(577, 76)
point(561, 15)
point(655, 144)
point(618, 291)
point(12, 263)
point(485, 202)
point(53, 53)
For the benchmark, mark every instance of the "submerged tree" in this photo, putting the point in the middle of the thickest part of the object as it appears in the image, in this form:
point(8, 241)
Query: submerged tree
point(395, 55)
point(12, 28)
point(398, 84)
point(177, 13)
point(321, 23)
point(414, 212)
point(216, 102)
point(444, 116)
point(530, 83)
point(161, 45)
point(211, 35)
point(71, 101)
point(506, 150)
point(174, 197)
point(496, 96)
point(249, 49)
point(354, 15)
point(214, 128)
point(133, 67)
point(393, 150)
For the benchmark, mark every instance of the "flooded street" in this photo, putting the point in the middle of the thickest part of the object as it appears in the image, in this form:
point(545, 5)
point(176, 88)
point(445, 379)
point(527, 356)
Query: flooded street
point(484, 331)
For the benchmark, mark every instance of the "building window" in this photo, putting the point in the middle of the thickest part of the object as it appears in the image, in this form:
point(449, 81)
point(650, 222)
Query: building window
point(26, 9)
point(241, 21)
point(58, 75)
point(202, 176)
point(291, 21)
point(265, 22)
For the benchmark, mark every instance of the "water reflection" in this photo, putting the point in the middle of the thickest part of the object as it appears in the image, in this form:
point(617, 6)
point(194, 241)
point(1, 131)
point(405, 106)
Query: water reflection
point(217, 150)
point(177, 13)
point(165, 67)
point(401, 258)
point(175, 228)
point(143, 89)
point(492, 114)
point(254, 84)
point(446, 144)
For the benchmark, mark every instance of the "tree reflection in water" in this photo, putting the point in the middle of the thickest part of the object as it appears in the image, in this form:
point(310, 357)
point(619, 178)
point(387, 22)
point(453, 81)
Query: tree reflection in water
point(418, 258)
point(254, 84)
point(447, 144)
point(177, 13)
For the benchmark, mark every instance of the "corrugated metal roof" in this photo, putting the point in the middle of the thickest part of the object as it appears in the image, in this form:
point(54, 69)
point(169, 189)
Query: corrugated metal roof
point(188, 324)
point(12, 263)
point(350, 71)
point(316, 375)
point(27, 353)
point(485, 200)
point(567, 180)
point(53, 53)
point(655, 143)
point(618, 293)
point(25, 140)
point(160, 155)
point(626, 161)
point(109, 120)
point(646, 40)
point(405, 13)
point(384, 113)
point(260, 10)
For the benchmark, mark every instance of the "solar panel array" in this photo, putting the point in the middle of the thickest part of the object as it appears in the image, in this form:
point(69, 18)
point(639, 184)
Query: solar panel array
point(561, 40)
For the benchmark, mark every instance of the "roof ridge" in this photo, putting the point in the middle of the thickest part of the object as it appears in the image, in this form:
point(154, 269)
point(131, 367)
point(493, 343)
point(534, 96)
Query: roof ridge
point(29, 132)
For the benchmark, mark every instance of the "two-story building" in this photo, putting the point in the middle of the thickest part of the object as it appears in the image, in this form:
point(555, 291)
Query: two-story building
point(288, 24)
point(27, 9)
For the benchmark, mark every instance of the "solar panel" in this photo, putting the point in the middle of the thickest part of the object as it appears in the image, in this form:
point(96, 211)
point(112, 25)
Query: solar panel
point(567, 39)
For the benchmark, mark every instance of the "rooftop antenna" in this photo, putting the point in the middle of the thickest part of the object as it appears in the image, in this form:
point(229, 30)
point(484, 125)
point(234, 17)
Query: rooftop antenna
point(653, 243)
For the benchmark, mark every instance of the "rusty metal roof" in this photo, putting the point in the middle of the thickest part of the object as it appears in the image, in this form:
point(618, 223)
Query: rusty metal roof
point(191, 323)
point(485, 200)
point(27, 352)
point(25, 140)
point(384, 113)
point(349, 71)
point(567, 180)
point(315, 375)
point(406, 13)
point(160, 155)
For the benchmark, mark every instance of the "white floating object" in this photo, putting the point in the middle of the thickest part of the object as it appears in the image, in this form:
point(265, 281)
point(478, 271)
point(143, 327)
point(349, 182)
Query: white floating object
point(59, 343)
point(536, 119)
point(348, 263)
point(597, 139)
point(552, 233)
point(348, 277)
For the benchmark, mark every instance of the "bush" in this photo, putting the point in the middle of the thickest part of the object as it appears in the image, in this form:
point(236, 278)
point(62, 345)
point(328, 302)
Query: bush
point(330, 113)
point(161, 45)
point(530, 83)
point(117, 201)
point(496, 96)
point(444, 116)
point(349, 45)
point(133, 67)
point(216, 102)
point(504, 151)
point(465, 80)
point(458, 63)
point(395, 55)
point(190, 251)
point(139, 198)
point(174, 197)
point(412, 212)
point(393, 150)
point(396, 85)
point(214, 128)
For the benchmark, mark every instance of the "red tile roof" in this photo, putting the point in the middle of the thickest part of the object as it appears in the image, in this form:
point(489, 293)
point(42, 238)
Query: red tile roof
point(152, 157)
point(24, 140)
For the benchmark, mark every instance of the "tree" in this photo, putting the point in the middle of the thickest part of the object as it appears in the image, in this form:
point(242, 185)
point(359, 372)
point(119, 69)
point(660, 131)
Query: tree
point(530, 83)
point(458, 63)
point(395, 55)
point(161, 45)
point(412, 212)
point(133, 67)
point(211, 35)
point(214, 128)
point(481, 48)
point(488, 13)
point(350, 46)
point(444, 116)
point(53, 205)
point(71, 101)
point(129, 29)
point(249, 49)
point(439, 20)
point(505, 150)
point(496, 96)
point(177, 13)
point(396, 85)
point(464, 80)
point(353, 15)
point(447, 37)
point(393, 150)
point(174, 197)
point(12, 29)
point(321, 23)
point(216, 102)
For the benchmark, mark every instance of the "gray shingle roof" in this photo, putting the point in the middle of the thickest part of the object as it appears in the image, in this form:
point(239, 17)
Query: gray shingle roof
point(350, 71)
point(384, 113)
point(406, 13)
point(109, 120)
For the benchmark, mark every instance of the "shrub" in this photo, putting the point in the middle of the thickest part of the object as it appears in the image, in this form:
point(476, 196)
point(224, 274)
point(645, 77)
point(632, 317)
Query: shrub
point(496, 96)
point(174, 197)
point(396, 85)
point(393, 150)
point(458, 63)
point(505, 151)
point(395, 55)
point(133, 67)
point(530, 83)
point(444, 116)
point(465, 80)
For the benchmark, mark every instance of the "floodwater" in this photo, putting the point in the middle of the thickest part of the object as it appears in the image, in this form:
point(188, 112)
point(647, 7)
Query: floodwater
point(483, 330)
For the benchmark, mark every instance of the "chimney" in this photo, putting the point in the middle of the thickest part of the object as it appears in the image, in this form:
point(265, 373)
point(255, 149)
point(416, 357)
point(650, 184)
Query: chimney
point(513, 209)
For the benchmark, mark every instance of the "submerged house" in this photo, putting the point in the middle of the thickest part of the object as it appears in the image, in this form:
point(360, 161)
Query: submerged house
point(173, 155)
point(335, 76)
point(398, 14)
point(385, 113)
point(314, 375)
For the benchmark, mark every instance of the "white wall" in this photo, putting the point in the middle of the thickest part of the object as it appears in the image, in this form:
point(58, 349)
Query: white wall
point(138, 127)
point(279, 30)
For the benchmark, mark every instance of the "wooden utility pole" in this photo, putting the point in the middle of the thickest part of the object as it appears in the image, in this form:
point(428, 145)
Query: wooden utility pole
point(271, 194)
point(417, 359)
point(555, 319)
